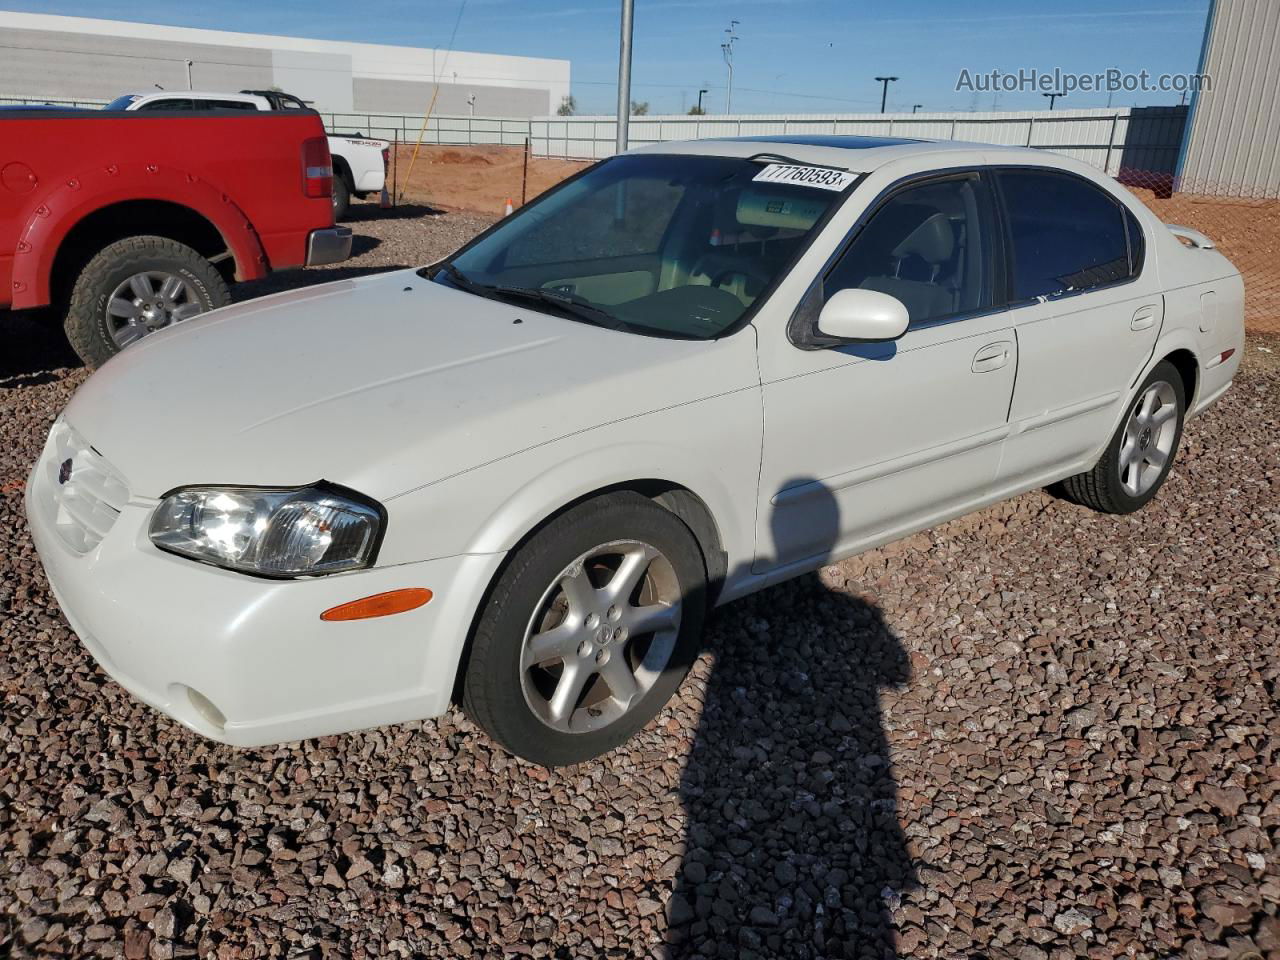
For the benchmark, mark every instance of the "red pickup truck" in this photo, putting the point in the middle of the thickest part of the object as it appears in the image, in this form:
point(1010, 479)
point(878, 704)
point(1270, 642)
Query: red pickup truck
point(128, 222)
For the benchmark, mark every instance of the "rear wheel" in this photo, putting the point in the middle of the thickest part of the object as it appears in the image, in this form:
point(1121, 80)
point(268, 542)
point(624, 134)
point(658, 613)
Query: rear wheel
point(134, 287)
point(588, 631)
point(1138, 458)
point(341, 197)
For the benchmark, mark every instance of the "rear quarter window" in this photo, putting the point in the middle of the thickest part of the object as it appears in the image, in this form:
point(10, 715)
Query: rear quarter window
point(1068, 235)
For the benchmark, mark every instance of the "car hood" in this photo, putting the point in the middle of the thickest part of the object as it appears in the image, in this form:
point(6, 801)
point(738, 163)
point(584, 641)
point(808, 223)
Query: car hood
point(383, 384)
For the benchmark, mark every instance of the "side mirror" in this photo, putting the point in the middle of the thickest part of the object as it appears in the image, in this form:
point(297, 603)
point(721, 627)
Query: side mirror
point(862, 316)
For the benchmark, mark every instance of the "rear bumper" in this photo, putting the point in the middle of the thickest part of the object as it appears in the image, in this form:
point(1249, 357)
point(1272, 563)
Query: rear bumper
point(370, 181)
point(331, 245)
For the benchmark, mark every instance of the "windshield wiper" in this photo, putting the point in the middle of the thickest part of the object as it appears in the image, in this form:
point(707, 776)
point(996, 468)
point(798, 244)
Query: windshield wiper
point(465, 282)
point(573, 303)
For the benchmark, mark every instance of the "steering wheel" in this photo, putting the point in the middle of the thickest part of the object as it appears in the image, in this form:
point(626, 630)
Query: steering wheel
point(744, 270)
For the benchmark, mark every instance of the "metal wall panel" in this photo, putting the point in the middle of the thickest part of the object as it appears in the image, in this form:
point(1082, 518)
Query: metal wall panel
point(66, 66)
point(1234, 143)
point(48, 57)
point(413, 96)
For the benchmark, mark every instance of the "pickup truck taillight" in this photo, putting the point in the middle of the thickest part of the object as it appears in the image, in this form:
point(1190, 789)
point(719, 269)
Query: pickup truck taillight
point(317, 168)
point(386, 160)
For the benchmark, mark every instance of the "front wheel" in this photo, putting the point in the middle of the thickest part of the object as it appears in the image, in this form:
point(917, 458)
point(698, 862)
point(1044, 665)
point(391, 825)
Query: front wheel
point(134, 287)
point(1138, 458)
point(588, 631)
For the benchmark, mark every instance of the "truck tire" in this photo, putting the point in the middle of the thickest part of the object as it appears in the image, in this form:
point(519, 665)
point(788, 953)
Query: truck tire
point(341, 197)
point(136, 286)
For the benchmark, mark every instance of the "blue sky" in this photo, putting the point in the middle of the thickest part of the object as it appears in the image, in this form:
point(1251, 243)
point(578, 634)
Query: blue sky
point(793, 56)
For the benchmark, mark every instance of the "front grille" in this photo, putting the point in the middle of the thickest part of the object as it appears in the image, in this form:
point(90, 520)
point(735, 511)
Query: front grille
point(87, 491)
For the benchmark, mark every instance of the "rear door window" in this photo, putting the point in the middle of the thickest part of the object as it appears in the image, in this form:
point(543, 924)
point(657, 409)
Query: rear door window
point(1068, 235)
point(169, 104)
point(228, 105)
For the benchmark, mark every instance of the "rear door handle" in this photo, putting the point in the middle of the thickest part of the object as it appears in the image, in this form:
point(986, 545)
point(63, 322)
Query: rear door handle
point(992, 357)
point(1143, 319)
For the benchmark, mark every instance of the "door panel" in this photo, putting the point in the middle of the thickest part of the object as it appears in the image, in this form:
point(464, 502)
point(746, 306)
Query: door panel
point(1075, 368)
point(881, 434)
point(1092, 321)
point(865, 440)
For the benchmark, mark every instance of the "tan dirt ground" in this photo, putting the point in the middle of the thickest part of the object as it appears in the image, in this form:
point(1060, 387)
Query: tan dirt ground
point(476, 179)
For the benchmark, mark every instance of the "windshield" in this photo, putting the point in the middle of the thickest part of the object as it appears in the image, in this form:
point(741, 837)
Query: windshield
point(122, 103)
point(667, 245)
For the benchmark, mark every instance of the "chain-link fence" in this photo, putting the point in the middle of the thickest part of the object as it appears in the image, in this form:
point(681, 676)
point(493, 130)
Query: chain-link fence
point(1245, 228)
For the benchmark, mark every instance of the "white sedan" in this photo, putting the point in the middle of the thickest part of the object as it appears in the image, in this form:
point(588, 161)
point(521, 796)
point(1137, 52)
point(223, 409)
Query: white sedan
point(519, 478)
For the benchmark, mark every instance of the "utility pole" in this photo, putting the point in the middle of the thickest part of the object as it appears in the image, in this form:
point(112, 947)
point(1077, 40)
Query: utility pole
point(727, 49)
point(624, 74)
point(1052, 97)
point(884, 89)
point(700, 93)
point(914, 107)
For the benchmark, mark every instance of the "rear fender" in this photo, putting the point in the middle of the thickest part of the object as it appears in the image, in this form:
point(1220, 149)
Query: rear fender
point(56, 213)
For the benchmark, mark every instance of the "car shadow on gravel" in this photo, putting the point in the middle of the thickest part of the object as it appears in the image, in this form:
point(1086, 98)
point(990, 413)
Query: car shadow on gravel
point(364, 212)
point(793, 848)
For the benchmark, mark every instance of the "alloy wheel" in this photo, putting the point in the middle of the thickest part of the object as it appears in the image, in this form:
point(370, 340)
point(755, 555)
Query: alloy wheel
point(147, 302)
point(601, 636)
point(1148, 438)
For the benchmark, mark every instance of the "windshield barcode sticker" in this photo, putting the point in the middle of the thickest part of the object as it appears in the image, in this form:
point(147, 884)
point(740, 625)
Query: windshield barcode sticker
point(822, 177)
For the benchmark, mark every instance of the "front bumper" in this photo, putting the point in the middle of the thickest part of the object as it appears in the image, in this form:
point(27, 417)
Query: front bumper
point(255, 649)
point(331, 245)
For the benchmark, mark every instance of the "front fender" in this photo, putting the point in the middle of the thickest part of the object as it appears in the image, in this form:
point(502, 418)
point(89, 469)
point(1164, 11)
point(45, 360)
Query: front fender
point(53, 215)
point(711, 448)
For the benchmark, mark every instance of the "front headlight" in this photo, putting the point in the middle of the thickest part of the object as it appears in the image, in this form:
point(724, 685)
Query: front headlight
point(272, 532)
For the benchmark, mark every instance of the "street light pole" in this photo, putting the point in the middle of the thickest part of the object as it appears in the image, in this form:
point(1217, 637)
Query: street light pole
point(624, 74)
point(727, 49)
point(884, 89)
point(1052, 97)
point(916, 106)
point(700, 93)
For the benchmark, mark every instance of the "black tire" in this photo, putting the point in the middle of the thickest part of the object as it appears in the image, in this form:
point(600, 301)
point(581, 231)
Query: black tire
point(86, 322)
point(493, 694)
point(1101, 488)
point(341, 197)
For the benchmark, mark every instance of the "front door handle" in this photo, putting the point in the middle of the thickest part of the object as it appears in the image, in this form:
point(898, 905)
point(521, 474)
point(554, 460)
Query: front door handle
point(992, 357)
point(1143, 319)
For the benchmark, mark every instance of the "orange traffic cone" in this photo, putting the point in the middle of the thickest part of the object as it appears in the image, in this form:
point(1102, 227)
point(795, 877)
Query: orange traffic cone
point(507, 212)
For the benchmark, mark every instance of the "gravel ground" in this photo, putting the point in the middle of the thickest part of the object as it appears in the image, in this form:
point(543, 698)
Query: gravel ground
point(1035, 732)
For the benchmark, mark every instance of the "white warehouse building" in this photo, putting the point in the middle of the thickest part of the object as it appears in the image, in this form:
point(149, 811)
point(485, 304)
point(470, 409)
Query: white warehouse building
point(78, 58)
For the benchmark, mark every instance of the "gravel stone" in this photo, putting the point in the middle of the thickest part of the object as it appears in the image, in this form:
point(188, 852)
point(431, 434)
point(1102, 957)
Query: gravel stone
point(1046, 733)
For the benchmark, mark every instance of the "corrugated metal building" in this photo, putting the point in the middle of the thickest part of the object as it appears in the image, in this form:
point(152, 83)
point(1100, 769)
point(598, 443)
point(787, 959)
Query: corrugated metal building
point(75, 58)
point(1233, 145)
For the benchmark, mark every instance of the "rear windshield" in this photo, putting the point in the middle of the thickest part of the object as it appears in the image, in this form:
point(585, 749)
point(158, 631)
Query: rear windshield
point(122, 103)
point(669, 245)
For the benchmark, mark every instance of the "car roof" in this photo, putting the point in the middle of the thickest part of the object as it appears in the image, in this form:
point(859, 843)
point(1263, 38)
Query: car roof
point(858, 153)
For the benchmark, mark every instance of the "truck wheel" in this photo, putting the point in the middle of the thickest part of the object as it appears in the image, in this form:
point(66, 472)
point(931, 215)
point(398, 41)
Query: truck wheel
point(136, 286)
point(341, 197)
point(588, 631)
